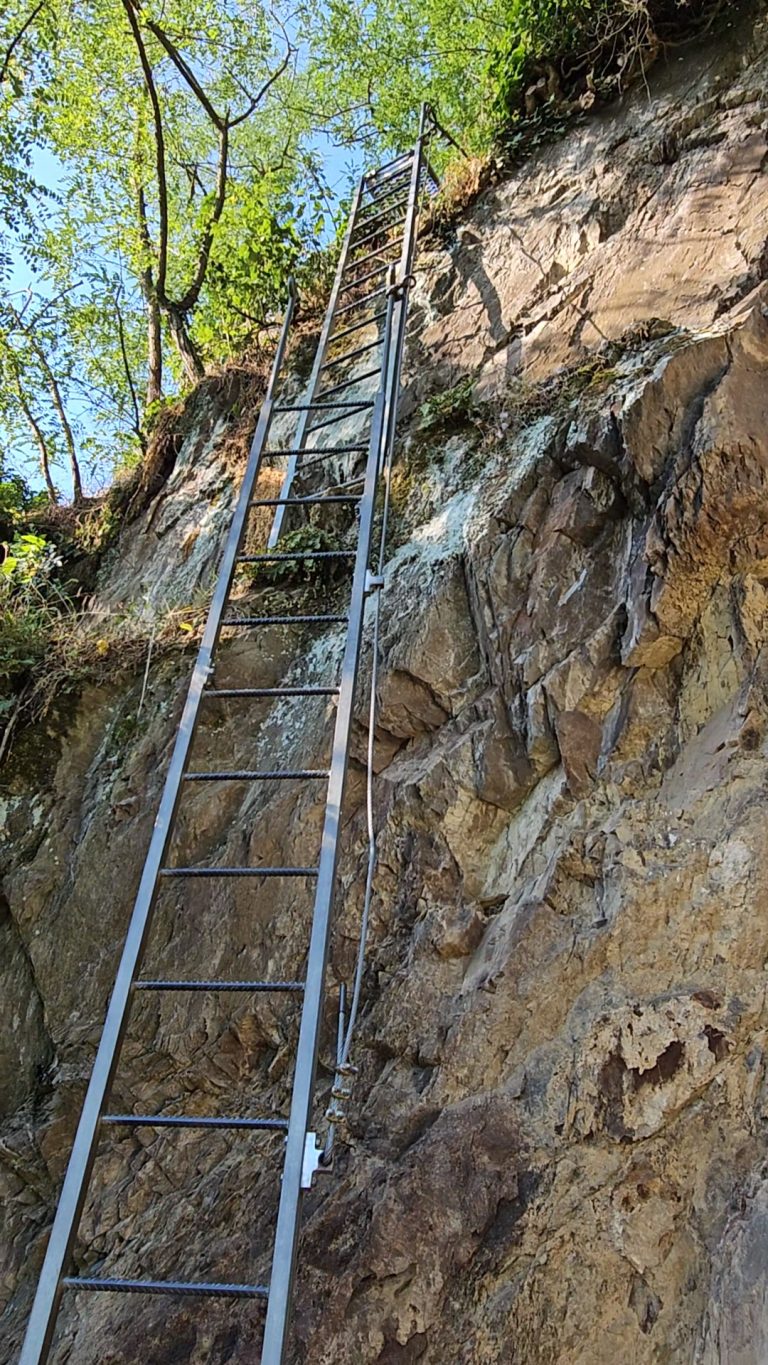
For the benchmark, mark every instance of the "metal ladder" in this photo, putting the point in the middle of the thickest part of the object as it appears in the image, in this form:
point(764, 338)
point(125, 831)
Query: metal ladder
point(378, 251)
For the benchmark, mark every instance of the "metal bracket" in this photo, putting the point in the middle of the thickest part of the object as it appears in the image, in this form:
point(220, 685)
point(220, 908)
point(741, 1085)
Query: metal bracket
point(399, 288)
point(374, 582)
point(313, 1161)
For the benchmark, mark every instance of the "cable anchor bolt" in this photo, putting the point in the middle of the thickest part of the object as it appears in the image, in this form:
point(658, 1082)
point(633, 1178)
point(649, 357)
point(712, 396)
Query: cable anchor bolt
point(341, 1092)
point(335, 1115)
point(398, 289)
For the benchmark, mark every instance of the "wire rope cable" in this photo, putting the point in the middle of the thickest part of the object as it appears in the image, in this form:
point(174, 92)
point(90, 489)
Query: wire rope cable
point(346, 1027)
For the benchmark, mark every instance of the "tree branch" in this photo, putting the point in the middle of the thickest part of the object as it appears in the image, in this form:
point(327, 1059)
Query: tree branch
point(14, 43)
point(42, 445)
point(162, 184)
point(186, 72)
point(129, 377)
point(204, 253)
point(58, 403)
point(56, 399)
point(266, 87)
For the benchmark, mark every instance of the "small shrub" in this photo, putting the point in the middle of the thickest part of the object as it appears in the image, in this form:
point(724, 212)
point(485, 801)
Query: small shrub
point(449, 409)
point(16, 502)
point(560, 57)
point(95, 532)
point(312, 572)
point(30, 604)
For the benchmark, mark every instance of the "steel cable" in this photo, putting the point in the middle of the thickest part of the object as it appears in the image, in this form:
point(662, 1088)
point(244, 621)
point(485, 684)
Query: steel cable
point(347, 1030)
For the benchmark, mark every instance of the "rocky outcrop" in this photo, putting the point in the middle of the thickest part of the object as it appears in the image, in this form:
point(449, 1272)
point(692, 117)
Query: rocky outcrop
point(556, 1145)
point(651, 210)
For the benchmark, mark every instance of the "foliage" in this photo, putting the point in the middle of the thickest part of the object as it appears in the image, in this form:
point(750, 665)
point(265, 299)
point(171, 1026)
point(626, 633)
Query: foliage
point(255, 248)
point(176, 140)
point(304, 540)
point(161, 173)
point(25, 558)
point(27, 39)
point(30, 601)
point(382, 59)
point(17, 500)
point(566, 54)
point(449, 408)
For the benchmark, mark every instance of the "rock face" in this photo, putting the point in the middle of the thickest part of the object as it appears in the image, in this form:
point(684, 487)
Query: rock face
point(652, 210)
point(556, 1144)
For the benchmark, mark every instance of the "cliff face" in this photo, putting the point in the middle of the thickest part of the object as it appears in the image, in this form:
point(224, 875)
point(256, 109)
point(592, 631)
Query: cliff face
point(557, 1138)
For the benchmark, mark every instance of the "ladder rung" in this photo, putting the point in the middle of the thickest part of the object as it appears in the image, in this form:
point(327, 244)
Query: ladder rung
point(326, 450)
point(355, 379)
point(348, 483)
point(396, 187)
point(353, 284)
point(320, 618)
point(309, 464)
point(260, 775)
point(389, 165)
point(377, 179)
point(238, 871)
point(308, 501)
point(328, 421)
point(313, 407)
point(188, 1121)
point(255, 986)
point(371, 255)
point(377, 232)
point(358, 303)
point(320, 456)
point(296, 554)
point(368, 218)
point(356, 326)
point(197, 1288)
point(350, 355)
point(271, 692)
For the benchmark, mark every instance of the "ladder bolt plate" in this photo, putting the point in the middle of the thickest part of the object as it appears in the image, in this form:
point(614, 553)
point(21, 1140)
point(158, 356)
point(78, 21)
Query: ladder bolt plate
point(313, 1161)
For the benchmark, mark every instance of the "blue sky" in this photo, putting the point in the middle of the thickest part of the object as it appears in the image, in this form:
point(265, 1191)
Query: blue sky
point(342, 166)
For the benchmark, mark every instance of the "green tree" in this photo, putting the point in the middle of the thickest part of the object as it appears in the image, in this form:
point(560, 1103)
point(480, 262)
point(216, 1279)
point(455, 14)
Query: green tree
point(382, 59)
point(151, 122)
point(171, 205)
point(27, 37)
point(184, 140)
point(31, 396)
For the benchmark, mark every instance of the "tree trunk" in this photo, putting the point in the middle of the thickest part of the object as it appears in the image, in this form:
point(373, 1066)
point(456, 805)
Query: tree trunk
point(154, 349)
point(58, 403)
point(137, 425)
point(194, 370)
point(42, 445)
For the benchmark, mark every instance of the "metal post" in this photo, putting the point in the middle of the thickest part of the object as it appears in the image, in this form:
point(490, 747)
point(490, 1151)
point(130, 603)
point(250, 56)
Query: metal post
point(403, 281)
point(45, 1308)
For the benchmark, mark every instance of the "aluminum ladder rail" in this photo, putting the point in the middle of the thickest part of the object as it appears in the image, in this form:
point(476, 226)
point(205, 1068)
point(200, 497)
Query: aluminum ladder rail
point(396, 187)
point(303, 1150)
